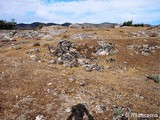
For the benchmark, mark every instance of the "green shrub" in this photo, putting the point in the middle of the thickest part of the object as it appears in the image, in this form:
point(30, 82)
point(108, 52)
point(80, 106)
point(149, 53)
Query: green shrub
point(154, 77)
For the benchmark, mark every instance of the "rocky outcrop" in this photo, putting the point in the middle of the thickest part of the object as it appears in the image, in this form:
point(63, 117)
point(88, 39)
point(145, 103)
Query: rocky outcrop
point(7, 35)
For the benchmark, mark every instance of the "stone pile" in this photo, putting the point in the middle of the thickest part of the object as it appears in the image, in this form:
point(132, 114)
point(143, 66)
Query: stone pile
point(68, 54)
point(105, 48)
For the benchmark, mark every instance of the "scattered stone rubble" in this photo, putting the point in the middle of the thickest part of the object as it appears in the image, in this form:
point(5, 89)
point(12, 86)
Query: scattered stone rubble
point(110, 60)
point(121, 113)
point(32, 34)
point(101, 108)
point(83, 36)
point(152, 32)
point(93, 67)
point(10, 35)
point(35, 58)
point(144, 49)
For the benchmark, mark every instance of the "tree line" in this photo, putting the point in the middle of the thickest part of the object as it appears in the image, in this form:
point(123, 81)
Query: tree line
point(7, 25)
point(130, 23)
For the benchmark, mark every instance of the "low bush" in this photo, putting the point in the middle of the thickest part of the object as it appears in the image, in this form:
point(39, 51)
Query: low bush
point(154, 77)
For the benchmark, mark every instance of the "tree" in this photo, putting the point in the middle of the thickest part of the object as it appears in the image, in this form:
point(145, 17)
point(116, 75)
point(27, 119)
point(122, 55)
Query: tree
point(128, 23)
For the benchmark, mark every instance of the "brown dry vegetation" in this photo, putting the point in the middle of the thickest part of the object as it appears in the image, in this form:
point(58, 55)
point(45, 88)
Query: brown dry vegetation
point(25, 93)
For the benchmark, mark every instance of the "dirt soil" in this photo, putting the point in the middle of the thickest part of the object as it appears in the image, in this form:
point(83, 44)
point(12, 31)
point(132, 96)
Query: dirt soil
point(29, 88)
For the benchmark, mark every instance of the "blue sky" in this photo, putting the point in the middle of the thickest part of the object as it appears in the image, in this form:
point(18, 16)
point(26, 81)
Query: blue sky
point(81, 11)
point(52, 1)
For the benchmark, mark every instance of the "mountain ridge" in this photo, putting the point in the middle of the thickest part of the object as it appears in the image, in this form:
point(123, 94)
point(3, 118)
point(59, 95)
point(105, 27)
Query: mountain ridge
point(35, 25)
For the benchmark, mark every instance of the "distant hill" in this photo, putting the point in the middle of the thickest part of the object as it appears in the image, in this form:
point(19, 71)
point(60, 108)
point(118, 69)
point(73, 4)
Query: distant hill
point(102, 25)
point(66, 24)
point(23, 26)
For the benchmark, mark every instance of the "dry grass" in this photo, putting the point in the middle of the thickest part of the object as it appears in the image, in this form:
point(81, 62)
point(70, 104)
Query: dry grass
point(29, 79)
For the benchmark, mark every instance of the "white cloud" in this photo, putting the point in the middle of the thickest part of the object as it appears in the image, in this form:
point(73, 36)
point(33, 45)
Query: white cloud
point(96, 11)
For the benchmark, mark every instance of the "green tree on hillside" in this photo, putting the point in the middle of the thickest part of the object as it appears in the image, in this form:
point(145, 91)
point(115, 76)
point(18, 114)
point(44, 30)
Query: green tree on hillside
point(128, 23)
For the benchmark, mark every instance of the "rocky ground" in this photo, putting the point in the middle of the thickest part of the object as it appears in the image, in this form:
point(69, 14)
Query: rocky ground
point(45, 73)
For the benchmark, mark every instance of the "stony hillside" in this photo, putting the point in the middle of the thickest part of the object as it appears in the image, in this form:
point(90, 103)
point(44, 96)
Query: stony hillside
point(57, 73)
